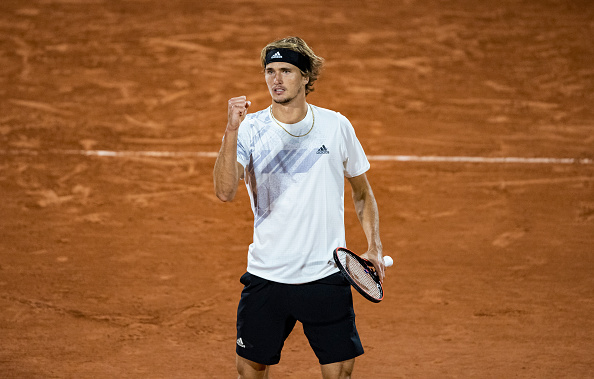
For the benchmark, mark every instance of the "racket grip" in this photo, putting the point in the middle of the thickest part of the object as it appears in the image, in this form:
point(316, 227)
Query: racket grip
point(388, 261)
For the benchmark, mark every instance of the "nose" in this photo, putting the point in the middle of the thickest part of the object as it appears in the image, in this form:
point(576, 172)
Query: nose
point(277, 78)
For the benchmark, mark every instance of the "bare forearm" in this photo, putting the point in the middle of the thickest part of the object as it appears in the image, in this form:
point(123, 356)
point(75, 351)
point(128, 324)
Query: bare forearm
point(226, 175)
point(368, 214)
point(227, 171)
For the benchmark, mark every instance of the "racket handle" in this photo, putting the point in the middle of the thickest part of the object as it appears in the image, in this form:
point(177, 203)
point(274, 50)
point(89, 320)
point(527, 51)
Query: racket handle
point(388, 261)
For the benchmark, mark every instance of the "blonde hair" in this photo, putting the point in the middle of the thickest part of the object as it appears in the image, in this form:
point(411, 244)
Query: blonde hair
point(298, 45)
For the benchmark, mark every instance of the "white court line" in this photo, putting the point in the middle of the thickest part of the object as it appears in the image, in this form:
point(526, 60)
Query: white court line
point(384, 158)
point(416, 158)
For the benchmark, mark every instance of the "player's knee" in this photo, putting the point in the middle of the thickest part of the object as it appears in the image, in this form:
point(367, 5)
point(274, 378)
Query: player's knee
point(346, 372)
point(250, 370)
point(339, 370)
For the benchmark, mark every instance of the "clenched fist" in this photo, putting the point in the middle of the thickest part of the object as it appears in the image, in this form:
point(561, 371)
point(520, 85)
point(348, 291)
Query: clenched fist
point(237, 110)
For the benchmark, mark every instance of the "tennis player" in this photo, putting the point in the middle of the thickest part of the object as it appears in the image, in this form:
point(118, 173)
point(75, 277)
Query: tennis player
point(294, 157)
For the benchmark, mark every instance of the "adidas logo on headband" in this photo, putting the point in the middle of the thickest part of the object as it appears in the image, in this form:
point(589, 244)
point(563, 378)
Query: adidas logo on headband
point(287, 55)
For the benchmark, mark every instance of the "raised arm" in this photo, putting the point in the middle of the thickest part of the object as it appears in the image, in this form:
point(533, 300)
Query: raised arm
point(227, 171)
point(367, 212)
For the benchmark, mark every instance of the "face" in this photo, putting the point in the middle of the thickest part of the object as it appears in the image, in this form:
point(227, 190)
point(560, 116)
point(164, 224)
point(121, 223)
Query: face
point(285, 82)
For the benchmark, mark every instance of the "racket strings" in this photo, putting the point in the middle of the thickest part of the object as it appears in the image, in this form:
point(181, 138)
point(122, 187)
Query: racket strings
point(364, 277)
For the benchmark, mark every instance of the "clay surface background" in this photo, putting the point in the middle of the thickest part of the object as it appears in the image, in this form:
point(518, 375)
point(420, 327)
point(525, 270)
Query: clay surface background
point(128, 266)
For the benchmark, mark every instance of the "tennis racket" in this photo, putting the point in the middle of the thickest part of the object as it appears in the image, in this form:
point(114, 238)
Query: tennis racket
point(361, 273)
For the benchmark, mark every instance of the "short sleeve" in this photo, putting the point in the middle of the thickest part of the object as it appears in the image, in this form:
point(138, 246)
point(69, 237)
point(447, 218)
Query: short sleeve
point(354, 159)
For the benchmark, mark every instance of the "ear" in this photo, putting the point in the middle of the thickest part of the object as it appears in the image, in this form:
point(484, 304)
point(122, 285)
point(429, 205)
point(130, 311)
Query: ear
point(305, 79)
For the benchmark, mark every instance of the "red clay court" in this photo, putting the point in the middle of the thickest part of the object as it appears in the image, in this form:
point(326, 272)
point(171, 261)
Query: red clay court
point(119, 262)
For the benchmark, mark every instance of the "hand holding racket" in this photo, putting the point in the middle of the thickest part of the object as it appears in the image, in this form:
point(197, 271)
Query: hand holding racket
point(361, 273)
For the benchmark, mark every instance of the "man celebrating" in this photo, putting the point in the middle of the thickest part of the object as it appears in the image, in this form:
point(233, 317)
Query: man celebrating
point(294, 157)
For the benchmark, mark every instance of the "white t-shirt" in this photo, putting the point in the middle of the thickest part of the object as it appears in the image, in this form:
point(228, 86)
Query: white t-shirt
point(296, 189)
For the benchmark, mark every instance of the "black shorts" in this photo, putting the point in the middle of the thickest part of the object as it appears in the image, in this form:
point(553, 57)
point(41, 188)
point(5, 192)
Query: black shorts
point(268, 312)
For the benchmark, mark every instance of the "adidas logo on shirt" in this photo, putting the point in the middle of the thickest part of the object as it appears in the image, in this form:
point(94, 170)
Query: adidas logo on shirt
point(277, 55)
point(240, 343)
point(322, 150)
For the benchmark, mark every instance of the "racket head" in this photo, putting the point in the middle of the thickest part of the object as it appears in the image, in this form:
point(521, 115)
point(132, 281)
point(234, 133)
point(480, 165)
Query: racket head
point(360, 273)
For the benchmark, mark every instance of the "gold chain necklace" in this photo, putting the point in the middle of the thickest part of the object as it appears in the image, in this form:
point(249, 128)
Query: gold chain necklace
point(313, 122)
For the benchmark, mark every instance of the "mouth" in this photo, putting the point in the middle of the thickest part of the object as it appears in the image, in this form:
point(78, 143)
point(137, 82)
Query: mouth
point(278, 90)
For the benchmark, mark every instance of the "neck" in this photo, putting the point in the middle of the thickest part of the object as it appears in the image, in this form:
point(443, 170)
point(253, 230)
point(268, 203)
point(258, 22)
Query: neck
point(290, 113)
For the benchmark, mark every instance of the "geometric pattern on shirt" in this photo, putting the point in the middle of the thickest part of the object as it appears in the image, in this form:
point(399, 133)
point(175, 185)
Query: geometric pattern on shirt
point(277, 174)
